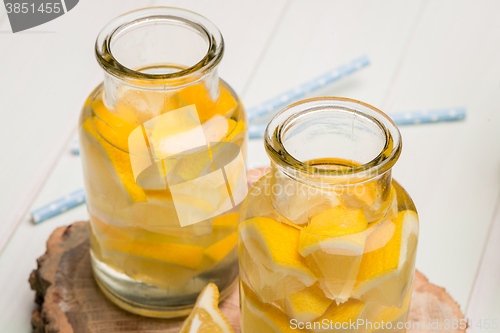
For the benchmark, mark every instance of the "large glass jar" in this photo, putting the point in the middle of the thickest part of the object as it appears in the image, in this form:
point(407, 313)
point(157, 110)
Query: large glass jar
point(327, 240)
point(163, 142)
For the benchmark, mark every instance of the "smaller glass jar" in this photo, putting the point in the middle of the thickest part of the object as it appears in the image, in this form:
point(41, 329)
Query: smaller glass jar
point(163, 142)
point(327, 238)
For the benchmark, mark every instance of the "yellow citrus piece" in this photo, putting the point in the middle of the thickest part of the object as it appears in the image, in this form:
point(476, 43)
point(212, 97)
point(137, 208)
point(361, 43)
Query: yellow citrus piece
point(280, 243)
point(206, 316)
point(373, 197)
point(394, 314)
point(110, 231)
point(226, 221)
point(189, 256)
point(236, 130)
point(221, 249)
point(258, 272)
point(192, 165)
point(116, 132)
point(332, 245)
point(260, 317)
point(338, 221)
point(343, 314)
point(169, 277)
point(388, 262)
point(199, 95)
point(307, 304)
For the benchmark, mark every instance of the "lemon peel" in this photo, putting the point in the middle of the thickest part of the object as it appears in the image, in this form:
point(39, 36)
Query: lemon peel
point(280, 243)
point(206, 316)
point(386, 264)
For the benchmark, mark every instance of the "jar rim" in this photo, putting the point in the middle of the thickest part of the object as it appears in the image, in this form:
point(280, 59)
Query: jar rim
point(208, 30)
point(283, 121)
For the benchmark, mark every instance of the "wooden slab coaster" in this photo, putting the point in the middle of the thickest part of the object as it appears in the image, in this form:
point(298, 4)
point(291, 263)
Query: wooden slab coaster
point(70, 301)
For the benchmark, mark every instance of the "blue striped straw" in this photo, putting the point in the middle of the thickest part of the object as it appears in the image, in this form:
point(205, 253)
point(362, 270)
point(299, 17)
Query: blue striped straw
point(306, 88)
point(59, 206)
point(75, 147)
point(256, 131)
point(430, 116)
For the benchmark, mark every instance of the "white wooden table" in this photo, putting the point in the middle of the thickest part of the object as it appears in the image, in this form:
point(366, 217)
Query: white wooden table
point(424, 55)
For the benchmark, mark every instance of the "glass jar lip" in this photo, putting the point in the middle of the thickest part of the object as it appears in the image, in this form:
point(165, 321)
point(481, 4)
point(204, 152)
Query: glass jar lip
point(281, 122)
point(215, 50)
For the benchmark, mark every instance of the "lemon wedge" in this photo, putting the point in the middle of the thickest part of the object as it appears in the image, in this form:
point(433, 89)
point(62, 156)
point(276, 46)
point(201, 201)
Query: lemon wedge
point(271, 285)
point(388, 261)
point(189, 256)
point(206, 316)
point(342, 314)
point(226, 221)
point(332, 245)
point(307, 304)
point(280, 243)
point(219, 250)
point(115, 130)
point(262, 317)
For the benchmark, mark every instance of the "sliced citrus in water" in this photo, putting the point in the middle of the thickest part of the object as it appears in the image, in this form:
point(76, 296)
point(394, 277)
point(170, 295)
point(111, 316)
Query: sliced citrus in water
point(206, 316)
point(332, 245)
point(226, 221)
point(388, 261)
point(307, 304)
point(222, 248)
point(259, 273)
point(115, 130)
point(260, 317)
point(189, 256)
point(340, 316)
point(280, 243)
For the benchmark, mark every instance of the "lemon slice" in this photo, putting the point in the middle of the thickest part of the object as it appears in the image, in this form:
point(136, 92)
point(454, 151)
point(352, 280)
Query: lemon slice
point(206, 316)
point(343, 314)
point(116, 131)
point(332, 245)
point(226, 221)
point(189, 256)
point(270, 285)
point(307, 304)
point(219, 250)
point(258, 317)
point(280, 243)
point(388, 261)
point(304, 203)
point(372, 198)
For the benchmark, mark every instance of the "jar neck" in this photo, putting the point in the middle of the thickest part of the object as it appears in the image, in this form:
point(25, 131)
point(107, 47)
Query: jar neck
point(150, 56)
point(330, 151)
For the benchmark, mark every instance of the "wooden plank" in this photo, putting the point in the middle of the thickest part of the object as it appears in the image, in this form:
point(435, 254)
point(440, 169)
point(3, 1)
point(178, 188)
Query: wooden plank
point(483, 307)
point(451, 170)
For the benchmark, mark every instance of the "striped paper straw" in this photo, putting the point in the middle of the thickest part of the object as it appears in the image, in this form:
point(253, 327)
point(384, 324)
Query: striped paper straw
point(430, 116)
point(306, 88)
point(408, 118)
point(59, 206)
point(75, 147)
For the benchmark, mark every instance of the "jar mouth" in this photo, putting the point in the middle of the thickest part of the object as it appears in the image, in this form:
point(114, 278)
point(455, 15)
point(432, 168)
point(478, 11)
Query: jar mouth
point(332, 114)
point(155, 17)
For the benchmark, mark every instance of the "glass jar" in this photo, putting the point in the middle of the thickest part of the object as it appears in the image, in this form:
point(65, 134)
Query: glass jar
point(163, 142)
point(327, 240)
